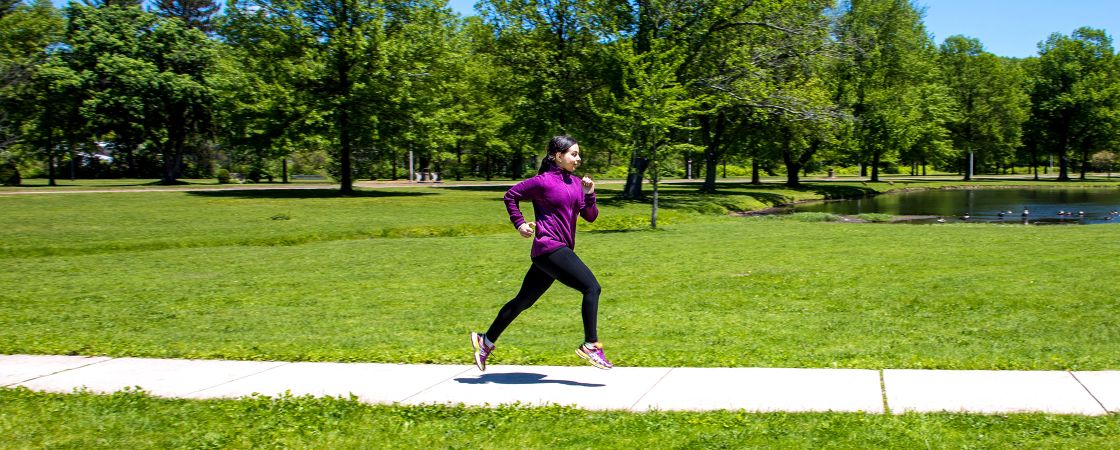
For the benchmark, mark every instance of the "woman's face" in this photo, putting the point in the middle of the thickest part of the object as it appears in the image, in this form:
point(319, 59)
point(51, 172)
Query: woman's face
point(569, 159)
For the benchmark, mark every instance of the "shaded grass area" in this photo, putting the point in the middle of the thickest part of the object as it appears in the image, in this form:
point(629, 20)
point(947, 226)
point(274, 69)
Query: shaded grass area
point(75, 224)
point(135, 420)
point(766, 292)
point(66, 184)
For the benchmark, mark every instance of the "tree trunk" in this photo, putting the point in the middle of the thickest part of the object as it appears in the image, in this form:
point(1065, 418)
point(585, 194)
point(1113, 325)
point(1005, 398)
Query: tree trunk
point(50, 165)
point(1063, 166)
point(346, 184)
point(968, 165)
point(875, 166)
point(633, 188)
point(459, 161)
point(176, 142)
point(634, 174)
point(653, 179)
point(713, 136)
point(284, 169)
point(755, 179)
point(1084, 163)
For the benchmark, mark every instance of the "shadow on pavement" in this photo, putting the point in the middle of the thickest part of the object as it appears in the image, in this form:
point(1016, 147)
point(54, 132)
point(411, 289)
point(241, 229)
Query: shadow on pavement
point(521, 378)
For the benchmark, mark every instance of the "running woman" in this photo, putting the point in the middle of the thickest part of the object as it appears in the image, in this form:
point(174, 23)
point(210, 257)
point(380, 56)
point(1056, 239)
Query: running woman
point(557, 196)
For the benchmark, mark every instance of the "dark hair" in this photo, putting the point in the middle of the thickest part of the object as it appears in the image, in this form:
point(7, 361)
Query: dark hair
point(558, 144)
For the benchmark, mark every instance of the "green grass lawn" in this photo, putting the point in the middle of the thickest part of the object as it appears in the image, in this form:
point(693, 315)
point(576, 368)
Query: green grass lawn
point(214, 275)
point(403, 275)
point(134, 420)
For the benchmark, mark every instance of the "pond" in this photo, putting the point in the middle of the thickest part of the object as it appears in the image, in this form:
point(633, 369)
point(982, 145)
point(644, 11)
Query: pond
point(1036, 206)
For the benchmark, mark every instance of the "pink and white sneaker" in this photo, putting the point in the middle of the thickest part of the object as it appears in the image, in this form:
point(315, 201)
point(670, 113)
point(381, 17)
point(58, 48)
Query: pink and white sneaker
point(481, 350)
point(593, 353)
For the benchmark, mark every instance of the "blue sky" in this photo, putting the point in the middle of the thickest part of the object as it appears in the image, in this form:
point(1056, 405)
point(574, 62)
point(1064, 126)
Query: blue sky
point(1005, 27)
point(1015, 27)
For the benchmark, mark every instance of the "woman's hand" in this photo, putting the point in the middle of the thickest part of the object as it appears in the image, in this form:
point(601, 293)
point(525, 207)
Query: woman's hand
point(526, 229)
point(588, 185)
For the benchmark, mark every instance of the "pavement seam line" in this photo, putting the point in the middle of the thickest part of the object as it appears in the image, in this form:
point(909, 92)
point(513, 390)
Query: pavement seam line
point(63, 370)
point(883, 390)
point(655, 383)
point(1086, 388)
point(434, 385)
point(188, 394)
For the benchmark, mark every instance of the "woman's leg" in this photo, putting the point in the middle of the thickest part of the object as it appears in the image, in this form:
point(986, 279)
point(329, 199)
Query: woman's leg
point(534, 285)
point(566, 267)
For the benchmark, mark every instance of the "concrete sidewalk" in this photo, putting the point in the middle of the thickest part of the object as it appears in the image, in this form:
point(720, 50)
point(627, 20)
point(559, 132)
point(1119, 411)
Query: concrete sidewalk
point(623, 388)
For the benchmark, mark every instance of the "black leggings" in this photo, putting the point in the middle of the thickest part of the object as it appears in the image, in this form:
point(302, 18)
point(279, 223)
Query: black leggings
point(561, 265)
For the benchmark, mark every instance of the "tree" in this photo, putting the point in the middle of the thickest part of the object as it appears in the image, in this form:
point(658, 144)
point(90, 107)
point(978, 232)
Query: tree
point(556, 60)
point(891, 59)
point(1076, 95)
point(352, 50)
point(413, 100)
point(478, 116)
point(265, 86)
point(744, 56)
point(653, 105)
point(144, 80)
point(991, 103)
point(26, 32)
point(195, 14)
point(54, 122)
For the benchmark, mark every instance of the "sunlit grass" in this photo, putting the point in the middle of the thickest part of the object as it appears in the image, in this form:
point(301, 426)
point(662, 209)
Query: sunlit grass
point(135, 420)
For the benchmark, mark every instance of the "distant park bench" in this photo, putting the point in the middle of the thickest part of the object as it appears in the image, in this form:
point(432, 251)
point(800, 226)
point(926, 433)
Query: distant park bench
point(308, 177)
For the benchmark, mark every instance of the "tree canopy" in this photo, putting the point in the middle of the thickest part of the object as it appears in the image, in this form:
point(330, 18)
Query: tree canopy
point(363, 88)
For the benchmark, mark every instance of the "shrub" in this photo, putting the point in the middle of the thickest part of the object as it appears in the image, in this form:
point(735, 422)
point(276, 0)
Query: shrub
point(876, 217)
point(9, 175)
point(223, 176)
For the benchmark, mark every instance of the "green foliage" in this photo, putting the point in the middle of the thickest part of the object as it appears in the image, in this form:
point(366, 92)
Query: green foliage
point(1076, 95)
point(133, 419)
point(223, 176)
point(131, 79)
point(9, 174)
point(991, 104)
point(887, 80)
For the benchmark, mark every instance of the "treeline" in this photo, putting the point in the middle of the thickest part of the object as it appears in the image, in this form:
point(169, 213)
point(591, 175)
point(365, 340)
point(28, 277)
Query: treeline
point(359, 89)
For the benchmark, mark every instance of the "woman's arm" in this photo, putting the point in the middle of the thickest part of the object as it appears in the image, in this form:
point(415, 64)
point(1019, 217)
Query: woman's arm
point(590, 209)
point(526, 189)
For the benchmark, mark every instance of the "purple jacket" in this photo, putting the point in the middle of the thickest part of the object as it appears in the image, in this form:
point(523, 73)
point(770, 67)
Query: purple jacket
point(557, 196)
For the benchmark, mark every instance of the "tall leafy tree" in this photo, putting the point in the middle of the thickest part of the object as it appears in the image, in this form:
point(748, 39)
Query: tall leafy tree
point(653, 105)
point(1076, 95)
point(413, 100)
point(26, 33)
point(991, 103)
point(553, 50)
point(349, 47)
point(265, 86)
point(742, 55)
point(144, 79)
point(478, 116)
point(892, 59)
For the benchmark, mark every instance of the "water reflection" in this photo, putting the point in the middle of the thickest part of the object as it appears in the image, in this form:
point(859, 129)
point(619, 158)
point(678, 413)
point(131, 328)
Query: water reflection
point(1035, 206)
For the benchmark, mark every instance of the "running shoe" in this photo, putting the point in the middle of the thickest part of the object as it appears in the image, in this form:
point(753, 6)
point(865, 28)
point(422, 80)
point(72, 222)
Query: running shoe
point(593, 353)
point(481, 350)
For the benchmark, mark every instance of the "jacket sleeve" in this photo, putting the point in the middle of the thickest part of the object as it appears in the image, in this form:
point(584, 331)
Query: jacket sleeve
point(590, 209)
point(526, 189)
